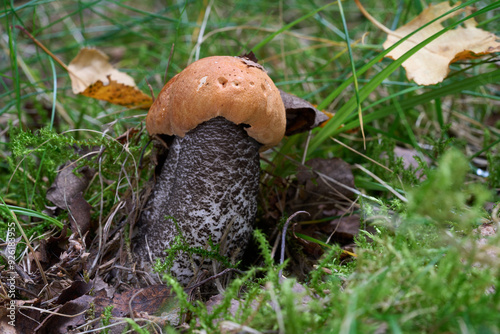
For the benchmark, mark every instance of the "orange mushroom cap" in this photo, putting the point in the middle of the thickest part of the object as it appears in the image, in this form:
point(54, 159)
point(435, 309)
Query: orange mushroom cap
point(234, 88)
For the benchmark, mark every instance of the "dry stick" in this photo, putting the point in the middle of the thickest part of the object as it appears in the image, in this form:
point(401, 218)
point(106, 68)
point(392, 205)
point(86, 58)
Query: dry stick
point(41, 310)
point(47, 51)
point(168, 63)
point(340, 184)
point(101, 328)
point(101, 208)
point(143, 152)
point(150, 89)
point(104, 236)
point(348, 211)
point(361, 154)
point(306, 146)
point(372, 19)
point(391, 189)
point(283, 236)
point(130, 303)
point(41, 46)
point(189, 289)
point(377, 23)
point(304, 156)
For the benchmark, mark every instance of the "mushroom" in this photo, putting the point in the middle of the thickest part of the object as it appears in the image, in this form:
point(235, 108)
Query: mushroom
point(221, 111)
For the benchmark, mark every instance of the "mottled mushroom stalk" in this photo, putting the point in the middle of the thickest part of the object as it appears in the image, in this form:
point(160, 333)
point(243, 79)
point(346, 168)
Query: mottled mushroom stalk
point(209, 183)
point(222, 111)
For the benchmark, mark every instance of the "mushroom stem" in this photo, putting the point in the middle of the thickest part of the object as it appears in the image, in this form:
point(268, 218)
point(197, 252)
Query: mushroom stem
point(209, 184)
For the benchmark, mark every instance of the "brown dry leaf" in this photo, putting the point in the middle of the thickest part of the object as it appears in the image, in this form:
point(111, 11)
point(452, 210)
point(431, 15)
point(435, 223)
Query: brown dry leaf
point(301, 116)
point(5, 327)
point(93, 76)
point(154, 299)
point(319, 189)
point(67, 317)
point(430, 65)
point(75, 290)
point(67, 193)
point(24, 320)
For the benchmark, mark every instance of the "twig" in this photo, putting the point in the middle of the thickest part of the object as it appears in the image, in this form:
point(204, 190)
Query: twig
point(340, 184)
point(391, 189)
point(168, 63)
point(361, 154)
point(130, 303)
point(150, 89)
point(189, 289)
point(47, 51)
point(372, 19)
point(41, 46)
point(51, 312)
point(283, 236)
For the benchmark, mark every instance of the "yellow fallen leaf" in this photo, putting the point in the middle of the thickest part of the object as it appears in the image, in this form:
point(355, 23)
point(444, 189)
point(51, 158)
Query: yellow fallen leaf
point(93, 76)
point(430, 65)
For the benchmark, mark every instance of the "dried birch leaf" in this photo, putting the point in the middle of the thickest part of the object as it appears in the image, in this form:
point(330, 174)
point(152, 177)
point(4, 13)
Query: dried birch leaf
point(430, 65)
point(93, 76)
point(301, 116)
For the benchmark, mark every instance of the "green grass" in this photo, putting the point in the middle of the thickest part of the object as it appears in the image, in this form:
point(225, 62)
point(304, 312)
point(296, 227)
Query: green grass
point(421, 269)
